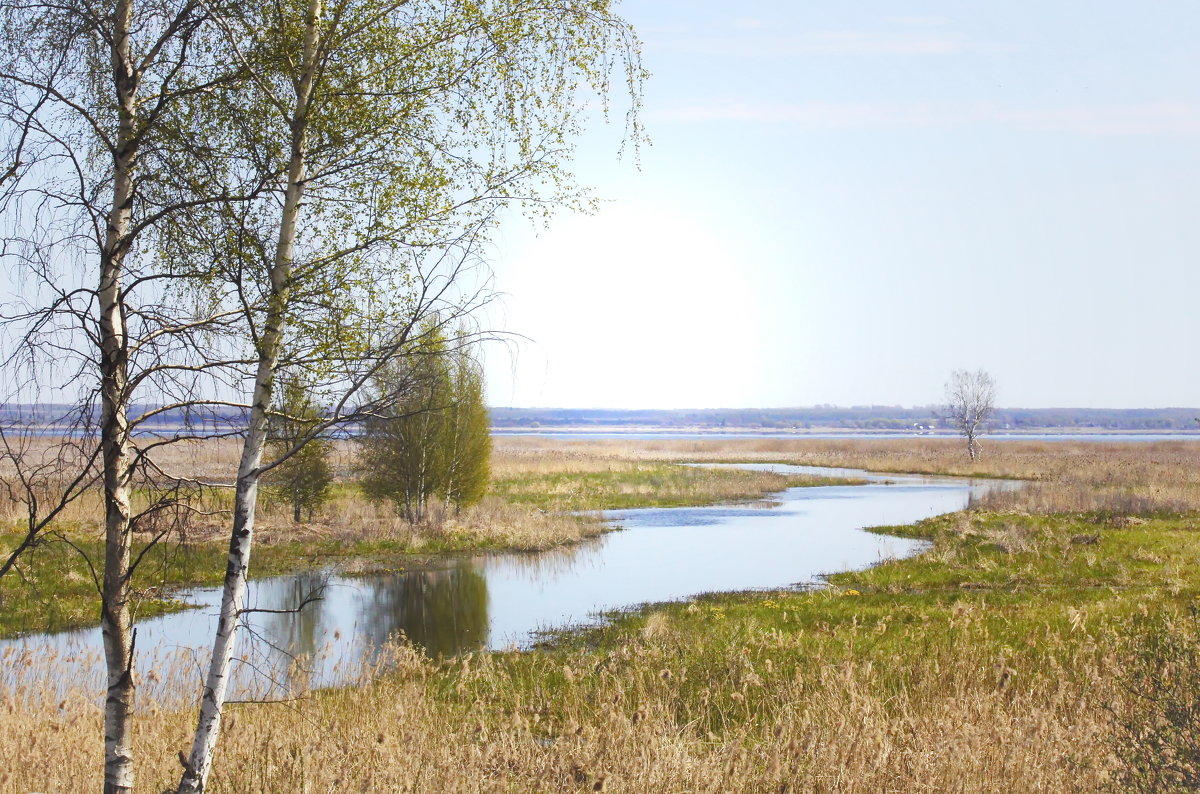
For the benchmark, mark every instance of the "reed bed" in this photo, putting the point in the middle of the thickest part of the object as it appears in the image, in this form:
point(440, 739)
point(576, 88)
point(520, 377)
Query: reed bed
point(653, 713)
point(617, 484)
point(1042, 644)
point(1159, 475)
point(568, 479)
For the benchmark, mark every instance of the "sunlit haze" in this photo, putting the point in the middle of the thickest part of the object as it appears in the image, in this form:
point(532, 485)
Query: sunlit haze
point(841, 205)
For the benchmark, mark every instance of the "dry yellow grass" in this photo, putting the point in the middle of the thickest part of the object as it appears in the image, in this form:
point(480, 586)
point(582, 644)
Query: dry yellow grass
point(1162, 473)
point(347, 516)
point(633, 723)
point(1068, 475)
point(921, 702)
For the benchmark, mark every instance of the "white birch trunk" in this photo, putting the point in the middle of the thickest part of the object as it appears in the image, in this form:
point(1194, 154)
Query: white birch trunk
point(454, 404)
point(422, 469)
point(115, 620)
point(233, 597)
point(452, 465)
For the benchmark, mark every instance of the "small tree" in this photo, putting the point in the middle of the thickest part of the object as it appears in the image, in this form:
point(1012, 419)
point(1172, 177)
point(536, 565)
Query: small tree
point(403, 449)
point(468, 434)
point(304, 476)
point(970, 400)
point(434, 440)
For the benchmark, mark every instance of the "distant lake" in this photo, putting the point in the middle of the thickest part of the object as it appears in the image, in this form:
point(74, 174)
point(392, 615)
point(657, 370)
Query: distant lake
point(713, 434)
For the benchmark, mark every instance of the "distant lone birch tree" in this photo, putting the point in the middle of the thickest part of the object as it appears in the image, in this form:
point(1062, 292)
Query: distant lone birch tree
point(970, 400)
point(400, 128)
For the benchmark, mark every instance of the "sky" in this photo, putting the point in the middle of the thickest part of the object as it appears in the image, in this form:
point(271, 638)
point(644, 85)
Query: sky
point(841, 203)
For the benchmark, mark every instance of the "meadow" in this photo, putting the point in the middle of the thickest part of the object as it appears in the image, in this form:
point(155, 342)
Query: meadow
point(1046, 642)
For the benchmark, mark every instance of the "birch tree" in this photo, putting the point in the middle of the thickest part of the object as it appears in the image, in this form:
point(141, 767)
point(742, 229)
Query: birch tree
point(970, 401)
point(403, 450)
point(95, 101)
point(432, 438)
point(401, 127)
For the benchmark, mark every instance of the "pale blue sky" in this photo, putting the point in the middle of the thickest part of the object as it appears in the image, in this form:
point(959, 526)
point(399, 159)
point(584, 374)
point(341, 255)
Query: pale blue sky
point(845, 201)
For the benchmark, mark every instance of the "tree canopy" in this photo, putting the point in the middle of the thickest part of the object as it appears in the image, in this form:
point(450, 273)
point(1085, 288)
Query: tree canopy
point(433, 439)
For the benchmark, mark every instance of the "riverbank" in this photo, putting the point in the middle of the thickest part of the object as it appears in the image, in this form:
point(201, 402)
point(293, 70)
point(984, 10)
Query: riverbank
point(1042, 644)
point(536, 503)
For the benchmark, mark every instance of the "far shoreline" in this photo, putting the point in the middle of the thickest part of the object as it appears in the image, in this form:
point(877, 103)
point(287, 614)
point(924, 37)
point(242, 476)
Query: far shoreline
point(828, 432)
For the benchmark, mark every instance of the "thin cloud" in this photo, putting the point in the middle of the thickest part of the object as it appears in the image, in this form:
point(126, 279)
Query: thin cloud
point(814, 116)
point(830, 42)
point(749, 23)
point(1145, 119)
point(856, 42)
point(1170, 118)
point(918, 21)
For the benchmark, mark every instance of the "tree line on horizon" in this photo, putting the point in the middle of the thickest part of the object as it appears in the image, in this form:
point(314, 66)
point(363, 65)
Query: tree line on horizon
point(877, 417)
point(896, 418)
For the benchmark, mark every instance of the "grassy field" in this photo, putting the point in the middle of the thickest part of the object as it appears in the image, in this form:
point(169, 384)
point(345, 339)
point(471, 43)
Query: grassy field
point(1046, 642)
point(1072, 475)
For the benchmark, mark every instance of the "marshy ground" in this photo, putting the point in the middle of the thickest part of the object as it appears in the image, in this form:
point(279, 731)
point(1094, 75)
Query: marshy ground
point(1046, 642)
point(539, 499)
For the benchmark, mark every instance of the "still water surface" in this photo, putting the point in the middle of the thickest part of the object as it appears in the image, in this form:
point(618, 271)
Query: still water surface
point(499, 601)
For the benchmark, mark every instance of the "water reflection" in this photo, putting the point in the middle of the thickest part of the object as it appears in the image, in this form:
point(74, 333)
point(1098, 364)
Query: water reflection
point(443, 611)
point(503, 600)
point(295, 632)
point(316, 628)
point(547, 566)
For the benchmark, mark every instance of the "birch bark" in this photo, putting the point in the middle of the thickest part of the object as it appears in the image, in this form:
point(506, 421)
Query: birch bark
point(115, 620)
point(212, 702)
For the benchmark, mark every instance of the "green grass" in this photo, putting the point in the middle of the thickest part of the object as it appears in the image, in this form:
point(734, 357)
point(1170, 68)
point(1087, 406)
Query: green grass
point(1026, 591)
point(53, 588)
point(651, 485)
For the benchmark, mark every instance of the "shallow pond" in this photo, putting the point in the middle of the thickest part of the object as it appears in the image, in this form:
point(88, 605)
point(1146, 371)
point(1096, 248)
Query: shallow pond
point(499, 601)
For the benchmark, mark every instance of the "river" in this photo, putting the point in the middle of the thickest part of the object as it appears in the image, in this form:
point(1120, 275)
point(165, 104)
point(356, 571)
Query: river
point(499, 601)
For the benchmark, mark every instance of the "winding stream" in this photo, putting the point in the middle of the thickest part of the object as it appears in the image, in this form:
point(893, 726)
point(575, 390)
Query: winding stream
point(498, 601)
